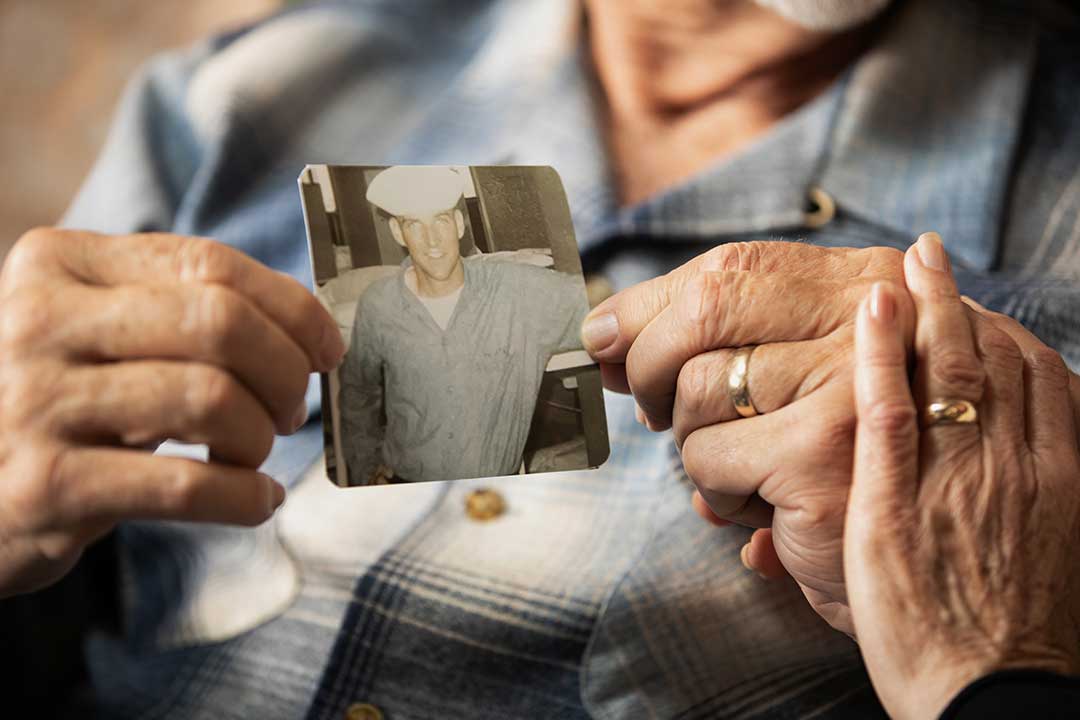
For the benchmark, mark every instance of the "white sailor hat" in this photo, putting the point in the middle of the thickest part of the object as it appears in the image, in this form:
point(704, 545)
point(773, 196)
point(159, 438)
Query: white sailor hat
point(416, 190)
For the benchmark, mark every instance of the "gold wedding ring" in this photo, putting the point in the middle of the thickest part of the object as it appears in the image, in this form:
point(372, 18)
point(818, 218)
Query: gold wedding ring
point(949, 412)
point(738, 382)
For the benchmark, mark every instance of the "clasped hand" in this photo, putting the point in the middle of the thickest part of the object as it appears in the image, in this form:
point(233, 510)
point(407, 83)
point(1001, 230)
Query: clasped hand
point(961, 534)
point(788, 470)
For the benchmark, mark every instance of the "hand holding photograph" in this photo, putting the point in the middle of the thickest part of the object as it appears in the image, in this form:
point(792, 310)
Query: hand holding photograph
point(459, 293)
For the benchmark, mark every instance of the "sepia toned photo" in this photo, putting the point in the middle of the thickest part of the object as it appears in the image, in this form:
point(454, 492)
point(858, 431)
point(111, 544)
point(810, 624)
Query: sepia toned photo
point(458, 292)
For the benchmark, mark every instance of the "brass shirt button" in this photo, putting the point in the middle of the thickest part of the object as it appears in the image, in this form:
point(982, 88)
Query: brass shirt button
point(824, 208)
point(484, 504)
point(363, 711)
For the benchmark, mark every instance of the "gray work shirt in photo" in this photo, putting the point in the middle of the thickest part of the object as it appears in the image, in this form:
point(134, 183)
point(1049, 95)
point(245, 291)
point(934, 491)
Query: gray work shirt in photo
point(458, 403)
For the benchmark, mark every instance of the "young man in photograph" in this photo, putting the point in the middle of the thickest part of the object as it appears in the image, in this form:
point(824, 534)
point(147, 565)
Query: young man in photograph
point(452, 350)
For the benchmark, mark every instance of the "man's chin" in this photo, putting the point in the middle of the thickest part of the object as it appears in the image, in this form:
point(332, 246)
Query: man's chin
point(440, 274)
point(437, 276)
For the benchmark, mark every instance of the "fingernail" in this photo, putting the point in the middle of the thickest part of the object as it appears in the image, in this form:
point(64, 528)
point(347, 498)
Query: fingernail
point(744, 555)
point(332, 349)
point(300, 416)
point(882, 304)
point(639, 414)
point(277, 495)
point(598, 333)
point(932, 252)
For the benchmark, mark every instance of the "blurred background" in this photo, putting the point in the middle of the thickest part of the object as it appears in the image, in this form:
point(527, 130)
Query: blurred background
point(64, 64)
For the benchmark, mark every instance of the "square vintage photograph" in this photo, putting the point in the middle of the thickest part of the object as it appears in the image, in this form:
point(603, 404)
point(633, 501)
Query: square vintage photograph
point(459, 294)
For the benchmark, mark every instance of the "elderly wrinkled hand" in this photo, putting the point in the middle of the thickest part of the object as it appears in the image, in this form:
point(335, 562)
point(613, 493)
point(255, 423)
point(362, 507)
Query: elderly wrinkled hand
point(960, 547)
point(670, 342)
point(109, 344)
point(786, 471)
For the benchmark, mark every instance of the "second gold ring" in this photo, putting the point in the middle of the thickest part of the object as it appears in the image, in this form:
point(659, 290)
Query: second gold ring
point(738, 382)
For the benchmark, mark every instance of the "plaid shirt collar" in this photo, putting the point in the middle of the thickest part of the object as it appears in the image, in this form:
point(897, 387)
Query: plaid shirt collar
point(854, 141)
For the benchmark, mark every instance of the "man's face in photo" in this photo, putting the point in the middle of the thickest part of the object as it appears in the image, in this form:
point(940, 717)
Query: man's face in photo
point(432, 241)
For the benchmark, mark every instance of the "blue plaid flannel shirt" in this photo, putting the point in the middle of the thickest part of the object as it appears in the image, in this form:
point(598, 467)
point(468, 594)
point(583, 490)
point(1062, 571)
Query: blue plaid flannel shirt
point(598, 594)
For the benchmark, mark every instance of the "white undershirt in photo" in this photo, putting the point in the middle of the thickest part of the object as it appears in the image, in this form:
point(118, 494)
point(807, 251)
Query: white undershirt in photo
point(441, 309)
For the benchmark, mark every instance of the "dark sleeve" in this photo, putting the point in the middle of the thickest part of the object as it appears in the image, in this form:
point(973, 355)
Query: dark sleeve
point(1017, 694)
point(42, 663)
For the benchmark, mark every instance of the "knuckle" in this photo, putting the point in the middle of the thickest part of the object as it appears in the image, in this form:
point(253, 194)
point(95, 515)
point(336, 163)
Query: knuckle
point(881, 359)
point(999, 350)
point(890, 418)
point(34, 239)
point(721, 258)
point(695, 385)
point(833, 367)
point(211, 393)
point(32, 493)
point(704, 303)
point(958, 372)
point(823, 512)
point(25, 397)
point(309, 308)
point(30, 251)
point(1047, 366)
point(181, 492)
point(24, 322)
point(633, 369)
point(835, 437)
point(734, 257)
point(63, 546)
point(884, 261)
point(220, 315)
point(204, 261)
point(294, 395)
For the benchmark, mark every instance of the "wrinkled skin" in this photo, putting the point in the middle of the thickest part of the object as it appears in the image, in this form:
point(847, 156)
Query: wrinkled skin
point(961, 538)
point(110, 344)
point(788, 470)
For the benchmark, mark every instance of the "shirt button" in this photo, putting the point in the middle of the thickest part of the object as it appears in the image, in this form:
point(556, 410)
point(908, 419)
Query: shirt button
point(822, 208)
point(363, 711)
point(484, 504)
